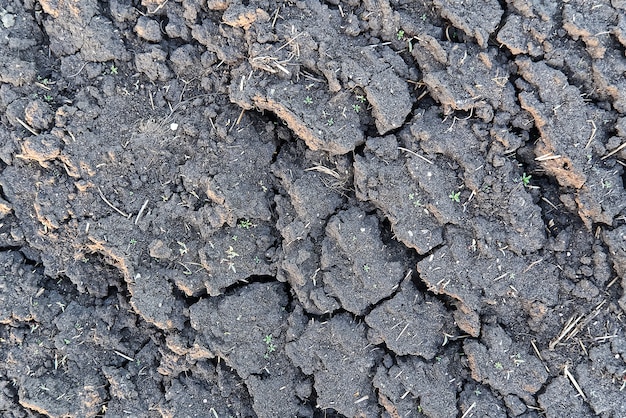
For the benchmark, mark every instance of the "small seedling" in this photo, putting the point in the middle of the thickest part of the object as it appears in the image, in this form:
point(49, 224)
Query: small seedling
point(330, 122)
point(270, 347)
point(498, 366)
point(43, 80)
point(526, 179)
point(356, 108)
point(230, 253)
point(245, 224)
point(400, 35)
point(308, 100)
point(455, 196)
point(113, 69)
point(517, 359)
point(47, 98)
point(361, 98)
point(607, 184)
point(415, 201)
point(366, 268)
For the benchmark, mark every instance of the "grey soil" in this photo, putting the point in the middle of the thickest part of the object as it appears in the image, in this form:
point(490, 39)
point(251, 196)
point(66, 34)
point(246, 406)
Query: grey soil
point(312, 209)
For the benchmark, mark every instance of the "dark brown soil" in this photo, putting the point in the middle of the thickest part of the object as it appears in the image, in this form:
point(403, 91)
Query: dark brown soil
point(260, 208)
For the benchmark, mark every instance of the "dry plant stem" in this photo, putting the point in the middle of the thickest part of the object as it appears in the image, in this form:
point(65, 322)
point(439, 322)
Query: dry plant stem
point(27, 126)
point(143, 207)
point(469, 410)
point(574, 382)
point(615, 151)
point(111, 204)
point(416, 154)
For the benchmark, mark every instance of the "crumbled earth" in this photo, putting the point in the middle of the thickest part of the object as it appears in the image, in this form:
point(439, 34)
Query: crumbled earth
point(312, 209)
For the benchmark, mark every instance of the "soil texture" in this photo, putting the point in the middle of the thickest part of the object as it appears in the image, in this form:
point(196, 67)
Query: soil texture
point(312, 208)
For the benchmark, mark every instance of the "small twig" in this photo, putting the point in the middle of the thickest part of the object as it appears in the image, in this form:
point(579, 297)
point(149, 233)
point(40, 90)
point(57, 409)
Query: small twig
point(27, 126)
point(281, 68)
point(468, 410)
point(402, 332)
point(79, 71)
point(612, 282)
point(615, 151)
point(532, 342)
point(593, 133)
point(574, 382)
point(548, 156)
point(158, 7)
point(275, 17)
point(324, 170)
point(123, 355)
point(533, 264)
point(43, 86)
point(571, 323)
point(290, 41)
point(416, 154)
point(143, 207)
point(549, 203)
point(111, 204)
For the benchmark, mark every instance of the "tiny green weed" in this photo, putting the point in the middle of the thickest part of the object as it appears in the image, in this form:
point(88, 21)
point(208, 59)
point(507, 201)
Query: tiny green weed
point(308, 100)
point(400, 35)
point(245, 224)
point(356, 108)
point(526, 179)
point(270, 347)
point(455, 196)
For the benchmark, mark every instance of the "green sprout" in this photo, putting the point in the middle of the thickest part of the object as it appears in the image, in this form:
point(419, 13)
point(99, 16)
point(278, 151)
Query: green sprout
point(455, 196)
point(308, 100)
point(270, 347)
point(113, 69)
point(330, 122)
point(47, 98)
point(361, 98)
point(498, 366)
point(526, 179)
point(366, 268)
point(356, 108)
point(415, 201)
point(400, 35)
point(245, 224)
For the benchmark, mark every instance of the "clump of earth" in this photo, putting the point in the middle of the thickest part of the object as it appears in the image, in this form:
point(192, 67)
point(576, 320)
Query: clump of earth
point(312, 209)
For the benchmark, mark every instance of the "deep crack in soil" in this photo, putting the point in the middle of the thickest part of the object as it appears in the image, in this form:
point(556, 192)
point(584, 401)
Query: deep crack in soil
point(306, 209)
